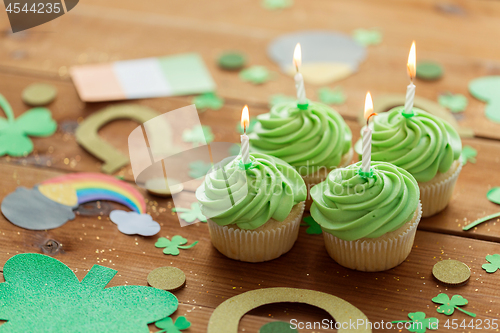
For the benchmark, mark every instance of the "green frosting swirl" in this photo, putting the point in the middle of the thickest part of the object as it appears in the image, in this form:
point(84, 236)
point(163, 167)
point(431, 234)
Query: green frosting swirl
point(423, 144)
point(268, 189)
point(306, 139)
point(351, 207)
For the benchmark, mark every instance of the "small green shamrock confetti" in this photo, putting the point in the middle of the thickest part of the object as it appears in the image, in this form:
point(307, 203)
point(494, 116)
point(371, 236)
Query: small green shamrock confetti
point(234, 150)
point(453, 102)
point(172, 246)
point(167, 325)
point(419, 324)
point(255, 74)
point(198, 135)
point(14, 140)
point(208, 101)
point(190, 215)
point(251, 125)
point(198, 169)
point(448, 306)
point(493, 195)
point(279, 98)
point(494, 263)
point(331, 96)
point(276, 4)
point(314, 227)
point(367, 36)
point(468, 155)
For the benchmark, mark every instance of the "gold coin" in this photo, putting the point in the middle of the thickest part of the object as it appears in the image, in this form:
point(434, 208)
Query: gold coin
point(451, 272)
point(167, 278)
point(159, 187)
point(39, 94)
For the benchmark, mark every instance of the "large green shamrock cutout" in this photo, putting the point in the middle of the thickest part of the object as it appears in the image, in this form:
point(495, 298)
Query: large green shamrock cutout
point(279, 98)
point(453, 102)
point(468, 155)
point(493, 195)
point(208, 101)
point(494, 263)
point(41, 294)
point(331, 96)
point(172, 246)
point(367, 36)
point(419, 324)
point(486, 89)
point(314, 227)
point(449, 305)
point(198, 135)
point(198, 169)
point(190, 215)
point(250, 127)
point(14, 140)
point(167, 325)
point(256, 74)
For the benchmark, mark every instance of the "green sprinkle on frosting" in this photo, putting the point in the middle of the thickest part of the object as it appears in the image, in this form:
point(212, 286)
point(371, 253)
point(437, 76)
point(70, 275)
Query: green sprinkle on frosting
point(351, 207)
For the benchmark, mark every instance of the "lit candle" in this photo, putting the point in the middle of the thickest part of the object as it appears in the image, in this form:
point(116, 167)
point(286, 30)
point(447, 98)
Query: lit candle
point(367, 136)
point(410, 90)
point(245, 146)
point(299, 79)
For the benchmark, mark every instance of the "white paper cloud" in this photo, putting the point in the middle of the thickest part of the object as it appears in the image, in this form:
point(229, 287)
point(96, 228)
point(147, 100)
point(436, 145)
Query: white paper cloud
point(131, 223)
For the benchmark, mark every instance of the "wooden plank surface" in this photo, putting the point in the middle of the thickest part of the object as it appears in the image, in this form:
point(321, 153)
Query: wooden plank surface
point(101, 31)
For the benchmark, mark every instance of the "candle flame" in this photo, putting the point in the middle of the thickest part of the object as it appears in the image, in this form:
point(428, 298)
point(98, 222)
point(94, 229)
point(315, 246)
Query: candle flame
point(245, 118)
point(297, 56)
point(369, 107)
point(412, 59)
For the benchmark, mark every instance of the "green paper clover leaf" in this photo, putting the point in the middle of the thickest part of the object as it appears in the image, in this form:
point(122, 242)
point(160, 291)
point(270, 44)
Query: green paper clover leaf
point(494, 263)
point(276, 4)
point(190, 215)
point(42, 294)
point(454, 102)
point(314, 227)
point(331, 96)
point(14, 140)
point(167, 325)
point(448, 306)
point(172, 246)
point(367, 37)
point(251, 125)
point(198, 169)
point(419, 324)
point(486, 89)
point(255, 74)
point(493, 195)
point(278, 98)
point(468, 155)
point(198, 135)
point(208, 101)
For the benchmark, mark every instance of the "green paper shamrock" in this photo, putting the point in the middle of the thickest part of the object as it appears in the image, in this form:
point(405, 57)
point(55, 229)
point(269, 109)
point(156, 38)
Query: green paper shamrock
point(14, 140)
point(331, 96)
point(454, 102)
point(41, 294)
point(486, 89)
point(198, 135)
point(208, 101)
point(367, 37)
point(276, 4)
point(255, 74)
point(448, 306)
point(419, 324)
point(190, 215)
point(278, 98)
point(234, 150)
point(494, 263)
point(468, 155)
point(172, 246)
point(198, 169)
point(493, 195)
point(167, 325)
point(314, 227)
point(250, 127)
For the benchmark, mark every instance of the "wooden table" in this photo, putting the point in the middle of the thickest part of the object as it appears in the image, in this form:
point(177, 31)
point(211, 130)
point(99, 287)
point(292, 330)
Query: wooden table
point(464, 41)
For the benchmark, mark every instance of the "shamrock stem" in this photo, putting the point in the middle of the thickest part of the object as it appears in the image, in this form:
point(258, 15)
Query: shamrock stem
point(473, 315)
point(479, 221)
point(6, 109)
point(187, 246)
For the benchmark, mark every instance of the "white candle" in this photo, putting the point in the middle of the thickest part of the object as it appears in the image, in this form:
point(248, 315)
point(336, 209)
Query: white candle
point(245, 142)
point(299, 79)
point(410, 90)
point(367, 136)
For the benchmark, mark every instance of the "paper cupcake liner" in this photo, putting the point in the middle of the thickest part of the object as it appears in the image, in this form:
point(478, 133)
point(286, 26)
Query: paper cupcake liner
point(435, 197)
point(315, 179)
point(374, 254)
point(257, 246)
